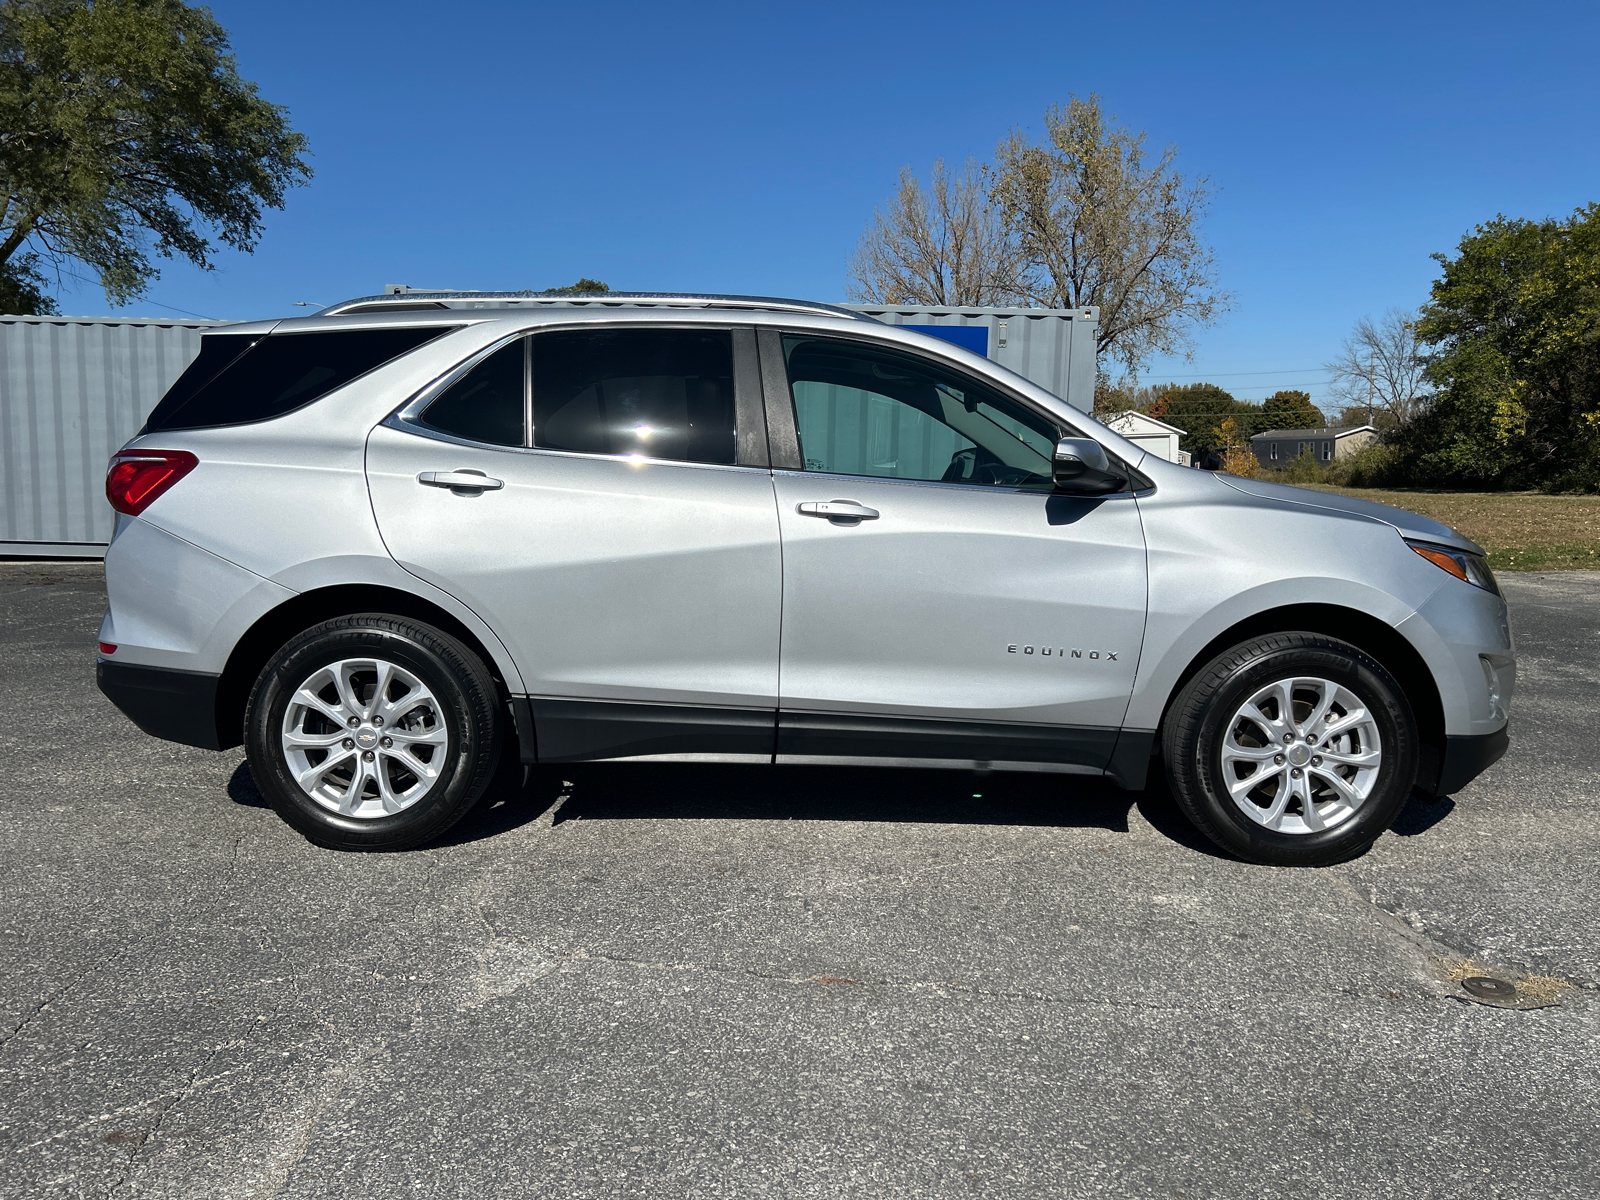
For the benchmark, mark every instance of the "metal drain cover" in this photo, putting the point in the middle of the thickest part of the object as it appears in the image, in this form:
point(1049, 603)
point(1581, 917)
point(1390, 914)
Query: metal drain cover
point(1488, 988)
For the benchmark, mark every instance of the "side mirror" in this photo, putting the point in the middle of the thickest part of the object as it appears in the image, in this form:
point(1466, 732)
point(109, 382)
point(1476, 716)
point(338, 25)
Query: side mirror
point(1081, 465)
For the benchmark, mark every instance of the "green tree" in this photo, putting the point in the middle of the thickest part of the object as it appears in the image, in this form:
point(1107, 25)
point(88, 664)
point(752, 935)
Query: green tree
point(1200, 410)
point(1095, 221)
point(22, 287)
point(1515, 322)
point(126, 131)
point(1290, 410)
point(583, 285)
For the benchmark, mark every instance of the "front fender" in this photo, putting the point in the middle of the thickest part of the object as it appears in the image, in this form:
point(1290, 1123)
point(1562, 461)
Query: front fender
point(1219, 557)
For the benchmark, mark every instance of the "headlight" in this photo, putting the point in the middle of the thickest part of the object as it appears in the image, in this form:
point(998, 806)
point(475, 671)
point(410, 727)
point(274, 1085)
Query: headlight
point(1469, 568)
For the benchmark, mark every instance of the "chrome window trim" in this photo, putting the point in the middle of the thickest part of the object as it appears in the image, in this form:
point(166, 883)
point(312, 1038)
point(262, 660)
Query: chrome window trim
point(400, 424)
point(965, 487)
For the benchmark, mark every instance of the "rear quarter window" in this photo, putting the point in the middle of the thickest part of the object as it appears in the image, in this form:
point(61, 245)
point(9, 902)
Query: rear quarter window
point(239, 378)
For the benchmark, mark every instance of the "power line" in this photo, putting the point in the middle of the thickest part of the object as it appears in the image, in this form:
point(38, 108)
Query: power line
point(184, 311)
point(1231, 374)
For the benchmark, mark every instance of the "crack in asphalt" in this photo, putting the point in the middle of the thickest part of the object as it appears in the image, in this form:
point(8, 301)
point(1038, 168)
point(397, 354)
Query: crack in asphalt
point(177, 1098)
point(278, 1177)
point(1437, 956)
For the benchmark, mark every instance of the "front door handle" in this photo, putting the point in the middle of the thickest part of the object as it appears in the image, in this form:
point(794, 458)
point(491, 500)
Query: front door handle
point(461, 482)
point(836, 510)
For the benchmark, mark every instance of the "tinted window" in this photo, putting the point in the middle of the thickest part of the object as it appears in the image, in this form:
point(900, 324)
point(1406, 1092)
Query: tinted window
point(864, 411)
point(485, 404)
point(662, 393)
point(217, 350)
point(274, 374)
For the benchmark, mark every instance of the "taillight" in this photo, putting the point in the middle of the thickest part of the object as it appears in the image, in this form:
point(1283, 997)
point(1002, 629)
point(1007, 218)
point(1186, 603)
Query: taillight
point(136, 477)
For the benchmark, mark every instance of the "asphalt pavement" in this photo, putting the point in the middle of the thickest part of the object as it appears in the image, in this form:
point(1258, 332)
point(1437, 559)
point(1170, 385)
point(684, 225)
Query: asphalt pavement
point(697, 981)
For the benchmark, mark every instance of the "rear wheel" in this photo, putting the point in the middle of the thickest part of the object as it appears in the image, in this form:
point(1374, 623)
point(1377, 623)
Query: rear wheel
point(373, 732)
point(1295, 748)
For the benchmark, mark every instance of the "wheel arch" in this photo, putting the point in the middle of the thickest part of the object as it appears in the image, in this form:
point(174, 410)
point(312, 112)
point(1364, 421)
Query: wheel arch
point(276, 626)
point(1378, 638)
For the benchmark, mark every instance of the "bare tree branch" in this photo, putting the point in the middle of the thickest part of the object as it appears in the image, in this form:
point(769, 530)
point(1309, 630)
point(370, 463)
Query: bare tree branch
point(1380, 370)
point(1096, 224)
point(942, 245)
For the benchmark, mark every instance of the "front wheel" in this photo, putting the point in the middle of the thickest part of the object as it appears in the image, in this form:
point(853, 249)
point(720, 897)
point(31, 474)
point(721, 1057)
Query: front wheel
point(1296, 749)
point(373, 732)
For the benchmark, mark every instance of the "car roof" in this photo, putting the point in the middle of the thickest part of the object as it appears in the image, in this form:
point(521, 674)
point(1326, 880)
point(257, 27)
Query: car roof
point(536, 308)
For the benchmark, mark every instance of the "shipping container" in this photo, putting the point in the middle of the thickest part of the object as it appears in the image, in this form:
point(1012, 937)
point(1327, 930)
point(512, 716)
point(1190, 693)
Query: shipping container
point(1053, 347)
point(72, 391)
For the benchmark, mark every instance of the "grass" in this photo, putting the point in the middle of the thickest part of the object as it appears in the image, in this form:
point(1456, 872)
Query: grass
point(1522, 531)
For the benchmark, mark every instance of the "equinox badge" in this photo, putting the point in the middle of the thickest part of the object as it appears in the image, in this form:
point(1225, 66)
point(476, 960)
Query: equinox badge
point(1057, 651)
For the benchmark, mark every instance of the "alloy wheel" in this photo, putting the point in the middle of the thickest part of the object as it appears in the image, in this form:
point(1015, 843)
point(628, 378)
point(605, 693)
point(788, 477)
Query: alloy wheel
point(1301, 755)
point(364, 737)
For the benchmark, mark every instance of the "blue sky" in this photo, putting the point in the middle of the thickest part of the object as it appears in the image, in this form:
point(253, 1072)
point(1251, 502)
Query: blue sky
point(742, 147)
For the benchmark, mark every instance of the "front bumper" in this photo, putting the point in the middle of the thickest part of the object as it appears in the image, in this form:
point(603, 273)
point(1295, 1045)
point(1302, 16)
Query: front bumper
point(180, 706)
point(1465, 757)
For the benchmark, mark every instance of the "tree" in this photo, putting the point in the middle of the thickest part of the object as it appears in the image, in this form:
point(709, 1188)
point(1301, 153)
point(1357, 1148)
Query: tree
point(943, 245)
point(1234, 446)
point(1200, 409)
point(1381, 370)
point(1095, 223)
point(584, 284)
point(125, 130)
point(1514, 321)
point(1290, 410)
point(22, 287)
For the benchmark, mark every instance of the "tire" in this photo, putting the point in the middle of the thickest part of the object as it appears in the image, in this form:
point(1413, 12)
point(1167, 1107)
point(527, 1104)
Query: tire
point(386, 783)
point(1354, 784)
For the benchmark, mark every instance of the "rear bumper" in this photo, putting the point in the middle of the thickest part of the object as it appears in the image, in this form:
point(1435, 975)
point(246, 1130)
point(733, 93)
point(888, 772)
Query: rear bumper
point(180, 706)
point(1465, 757)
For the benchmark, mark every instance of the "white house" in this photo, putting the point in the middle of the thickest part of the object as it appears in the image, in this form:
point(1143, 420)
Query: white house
point(1156, 437)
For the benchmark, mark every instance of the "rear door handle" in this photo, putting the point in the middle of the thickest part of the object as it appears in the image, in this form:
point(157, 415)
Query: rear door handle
point(461, 481)
point(847, 510)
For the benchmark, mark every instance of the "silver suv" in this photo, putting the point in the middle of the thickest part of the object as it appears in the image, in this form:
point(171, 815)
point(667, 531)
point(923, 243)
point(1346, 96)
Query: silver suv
point(384, 545)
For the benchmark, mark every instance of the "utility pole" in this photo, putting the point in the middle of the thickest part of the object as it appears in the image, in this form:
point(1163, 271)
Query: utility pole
point(1372, 371)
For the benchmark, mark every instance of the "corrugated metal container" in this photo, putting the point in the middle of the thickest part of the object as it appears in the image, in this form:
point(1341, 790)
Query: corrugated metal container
point(1054, 347)
point(72, 391)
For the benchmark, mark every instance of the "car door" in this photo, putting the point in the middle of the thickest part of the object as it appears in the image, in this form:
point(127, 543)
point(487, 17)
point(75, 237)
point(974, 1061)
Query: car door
point(599, 495)
point(941, 599)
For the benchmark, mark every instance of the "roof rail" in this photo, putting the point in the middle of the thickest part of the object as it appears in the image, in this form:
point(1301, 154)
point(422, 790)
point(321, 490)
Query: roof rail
point(404, 300)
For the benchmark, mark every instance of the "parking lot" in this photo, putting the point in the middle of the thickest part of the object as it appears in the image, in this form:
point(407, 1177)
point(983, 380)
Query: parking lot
point(676, 980)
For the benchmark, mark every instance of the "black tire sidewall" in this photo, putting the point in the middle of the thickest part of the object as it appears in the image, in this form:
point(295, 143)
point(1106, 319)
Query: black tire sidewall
point(1211, 709)
point(419, 649)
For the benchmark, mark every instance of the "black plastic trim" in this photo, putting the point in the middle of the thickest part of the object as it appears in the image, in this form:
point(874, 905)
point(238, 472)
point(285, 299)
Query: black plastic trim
point(180, 706)
point(862, 735)
point(782, 437)
point(527, 742)
point(1466, 756)
point(750, 418)
point(1129, 766)
point(583, 730)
